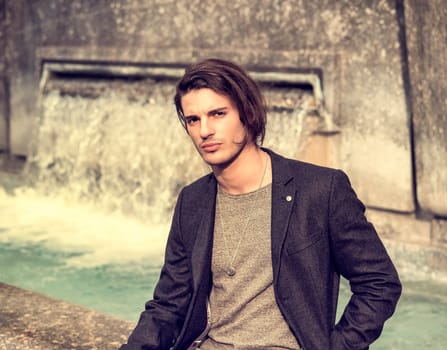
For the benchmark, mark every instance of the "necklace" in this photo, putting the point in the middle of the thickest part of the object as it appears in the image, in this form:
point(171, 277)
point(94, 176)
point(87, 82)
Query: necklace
point(230, 270)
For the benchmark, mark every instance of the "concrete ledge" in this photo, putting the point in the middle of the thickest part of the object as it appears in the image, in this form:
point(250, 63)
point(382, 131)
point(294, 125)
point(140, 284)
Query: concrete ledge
point(418, 247)
point(33, 321)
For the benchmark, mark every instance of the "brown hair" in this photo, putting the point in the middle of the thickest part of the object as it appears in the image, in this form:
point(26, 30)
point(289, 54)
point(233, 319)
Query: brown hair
point(226, 78)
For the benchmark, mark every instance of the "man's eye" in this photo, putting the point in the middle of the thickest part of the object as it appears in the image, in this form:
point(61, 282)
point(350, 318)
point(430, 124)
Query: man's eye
point(218, 113)
point(191, 120)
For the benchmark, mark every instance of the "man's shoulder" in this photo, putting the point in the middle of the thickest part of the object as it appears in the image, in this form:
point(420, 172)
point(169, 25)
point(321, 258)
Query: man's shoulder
point(200, 186)
point(198, 194)
point(311, 167)
point(301, 168)
point(205, 180)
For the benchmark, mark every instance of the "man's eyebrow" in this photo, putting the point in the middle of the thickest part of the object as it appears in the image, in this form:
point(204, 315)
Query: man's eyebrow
point(211, 111)
point(218, 109)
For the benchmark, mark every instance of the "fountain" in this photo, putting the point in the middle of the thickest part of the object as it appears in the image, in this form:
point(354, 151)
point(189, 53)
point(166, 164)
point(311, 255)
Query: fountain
point(87, 220)
point(109, 158)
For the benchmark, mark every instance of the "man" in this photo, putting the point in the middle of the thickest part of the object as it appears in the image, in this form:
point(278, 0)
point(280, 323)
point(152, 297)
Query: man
point(257, 247)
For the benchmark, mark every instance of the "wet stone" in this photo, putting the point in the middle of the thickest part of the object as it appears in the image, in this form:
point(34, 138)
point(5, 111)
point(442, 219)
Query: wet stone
point(33, 321)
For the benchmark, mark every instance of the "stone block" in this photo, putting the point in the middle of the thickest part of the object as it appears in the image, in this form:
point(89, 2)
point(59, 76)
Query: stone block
point(4, 143)
point(21, 135)
point(401, 227)
point(23, 115)
point(439, 232)
point(418, 263)
point(427, 54)
point(418, 247)
point(34, 321)
point(380, 169)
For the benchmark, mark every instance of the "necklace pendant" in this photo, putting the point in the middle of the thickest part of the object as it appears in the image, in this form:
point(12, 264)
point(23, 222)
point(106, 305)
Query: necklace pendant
point(231, 271)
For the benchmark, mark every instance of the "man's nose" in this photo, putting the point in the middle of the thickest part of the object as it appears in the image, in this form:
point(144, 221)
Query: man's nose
point(206, 128)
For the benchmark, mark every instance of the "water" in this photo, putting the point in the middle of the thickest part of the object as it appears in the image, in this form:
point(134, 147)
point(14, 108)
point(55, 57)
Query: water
point(90, 222)
point(420, 320)
point(53, 247)
point(110, 263)
point(112, 289)
point(128, 153)
point(131, 157)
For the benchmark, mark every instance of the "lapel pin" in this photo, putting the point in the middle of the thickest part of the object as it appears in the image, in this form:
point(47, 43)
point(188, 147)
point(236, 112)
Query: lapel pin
point(288, 198)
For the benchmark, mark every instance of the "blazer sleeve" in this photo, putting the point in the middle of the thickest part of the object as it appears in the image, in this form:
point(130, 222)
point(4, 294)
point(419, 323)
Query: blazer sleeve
point(361, 258)
point(160, 324)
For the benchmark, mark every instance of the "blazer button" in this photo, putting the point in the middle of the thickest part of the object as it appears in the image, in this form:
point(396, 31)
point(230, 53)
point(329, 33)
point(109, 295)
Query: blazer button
point(289, 198)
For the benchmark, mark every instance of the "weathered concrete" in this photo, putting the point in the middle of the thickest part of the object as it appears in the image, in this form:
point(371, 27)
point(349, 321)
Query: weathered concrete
point(439, 233)
point(4, 131)
point(354, 45)
point(418, 247)
point(404, 228)
point(31, 321)
point(427, 55)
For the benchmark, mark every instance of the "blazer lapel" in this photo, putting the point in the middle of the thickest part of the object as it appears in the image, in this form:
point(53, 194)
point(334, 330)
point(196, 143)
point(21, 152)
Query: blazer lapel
point(283, 199)
point(201, 252)
point(196, 318)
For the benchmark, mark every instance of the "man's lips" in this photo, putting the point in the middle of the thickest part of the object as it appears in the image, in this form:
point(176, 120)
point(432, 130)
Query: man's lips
point(210, 146)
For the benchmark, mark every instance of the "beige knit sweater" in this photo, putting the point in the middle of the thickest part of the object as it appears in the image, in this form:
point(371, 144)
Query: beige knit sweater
point(243, 311)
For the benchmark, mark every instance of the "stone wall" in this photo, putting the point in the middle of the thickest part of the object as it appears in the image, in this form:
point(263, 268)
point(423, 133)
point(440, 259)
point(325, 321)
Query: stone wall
point(376, 57)
point(4, 131)
point(427, 56)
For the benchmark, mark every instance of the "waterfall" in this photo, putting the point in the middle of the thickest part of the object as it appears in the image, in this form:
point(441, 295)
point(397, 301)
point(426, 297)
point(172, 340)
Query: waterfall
point(119, 144)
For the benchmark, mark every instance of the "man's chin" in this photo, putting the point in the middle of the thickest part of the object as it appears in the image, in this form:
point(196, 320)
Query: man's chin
point(213, 159)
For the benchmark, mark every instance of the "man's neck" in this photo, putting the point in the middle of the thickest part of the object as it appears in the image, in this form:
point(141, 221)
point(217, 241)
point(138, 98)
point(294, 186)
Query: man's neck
point(248, 172)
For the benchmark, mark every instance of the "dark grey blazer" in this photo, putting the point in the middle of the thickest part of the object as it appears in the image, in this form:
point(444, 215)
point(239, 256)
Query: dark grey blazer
point(319, 232)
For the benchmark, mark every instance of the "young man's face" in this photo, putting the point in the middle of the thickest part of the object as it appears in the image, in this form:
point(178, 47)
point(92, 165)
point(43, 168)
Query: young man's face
point(213, 123)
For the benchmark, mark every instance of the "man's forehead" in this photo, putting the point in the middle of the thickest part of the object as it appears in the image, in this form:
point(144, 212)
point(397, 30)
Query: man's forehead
point(205, 99)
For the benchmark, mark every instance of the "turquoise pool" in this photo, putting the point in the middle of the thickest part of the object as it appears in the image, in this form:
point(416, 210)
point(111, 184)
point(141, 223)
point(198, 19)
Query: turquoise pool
point(110, 263)
point(419, 323)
